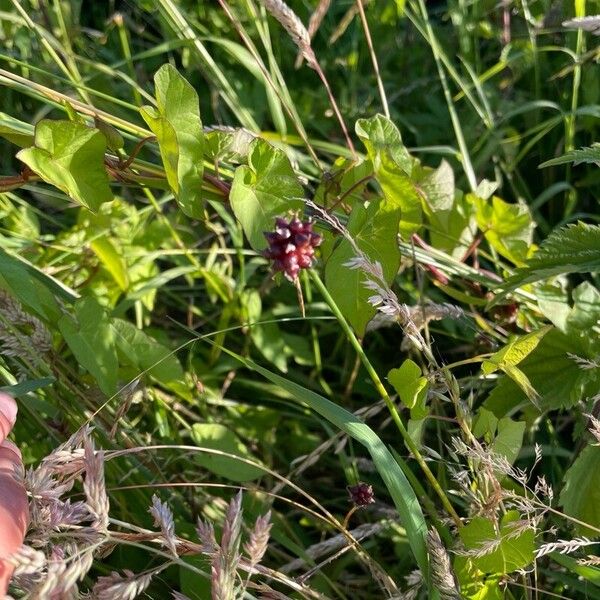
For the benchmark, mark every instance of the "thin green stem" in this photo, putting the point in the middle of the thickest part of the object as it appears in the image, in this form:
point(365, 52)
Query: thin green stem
point(570, 124)
point(460, 138)
point(410, 444)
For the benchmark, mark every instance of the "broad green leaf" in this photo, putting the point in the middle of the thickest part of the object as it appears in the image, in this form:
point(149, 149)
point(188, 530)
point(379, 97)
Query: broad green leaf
point(452, 224)
point(580, 496)
point(507, 227)
point(264, 189)
point(380, 136)
point(15, 131)
point(218, 437)
point(177, 126)
point(591, 574)
point(485, 424)
point(393, 166)
point(558, 380)
point(109, 256)
point(374, 229)
point(145, 354)
point(513, 551)
point(397, 484)
point(509, 439)
point(91, 339)
point(474, 584)
point(437, 186)
point(515, 351)
point(70, 156)
point(571, 249)
point(409, 383)
point(581, 155)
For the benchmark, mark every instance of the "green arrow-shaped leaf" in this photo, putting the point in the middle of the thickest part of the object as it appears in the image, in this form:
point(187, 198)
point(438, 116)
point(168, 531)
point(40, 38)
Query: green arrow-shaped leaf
point(70, 156)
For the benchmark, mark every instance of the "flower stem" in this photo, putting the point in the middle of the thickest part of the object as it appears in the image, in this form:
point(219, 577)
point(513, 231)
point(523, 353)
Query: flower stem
point(410, 444)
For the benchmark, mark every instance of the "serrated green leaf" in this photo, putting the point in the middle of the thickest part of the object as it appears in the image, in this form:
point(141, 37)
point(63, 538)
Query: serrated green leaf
point(571, 249)
point(218, 437)
point(70, 156)
point(177, 126)
point(392, 165)
point(580, 496)
point(264, 189)
point(515, 351)
point(512, 552)
point(374, 229)
point(581, 155)
point(91, 339)
point(557, 379)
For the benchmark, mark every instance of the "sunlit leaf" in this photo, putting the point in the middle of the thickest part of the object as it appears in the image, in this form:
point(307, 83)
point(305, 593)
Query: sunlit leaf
point(264, 189)
point(70, 156)
point(177, 126)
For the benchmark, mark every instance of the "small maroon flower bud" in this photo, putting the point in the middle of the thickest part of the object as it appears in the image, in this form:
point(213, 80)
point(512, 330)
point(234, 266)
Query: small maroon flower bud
point(361, 494)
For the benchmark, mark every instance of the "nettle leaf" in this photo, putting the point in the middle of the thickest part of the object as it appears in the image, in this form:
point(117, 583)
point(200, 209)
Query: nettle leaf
point(580, 496)
point(70, 156)
point(218, 437)
point(374, 228)
point(393, 166)
point(264, 189)
point(515, 351)
point(177, 126)
point(557, 379)
point(512, 551)
point(581, 155)
point(91, 339)
point(508, 228)
point(511, 355)
point(571, 249)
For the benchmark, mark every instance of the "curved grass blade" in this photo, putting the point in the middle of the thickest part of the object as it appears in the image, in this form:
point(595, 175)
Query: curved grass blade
point(398, 485)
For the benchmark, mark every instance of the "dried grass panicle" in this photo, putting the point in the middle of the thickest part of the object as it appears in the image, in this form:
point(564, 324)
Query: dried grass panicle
point(163, 518)
point(122, 587)
point(21, 334)
point(226, 559)
point(94, 486)
point(206, 534)
point(564, 546)
point(442, 576)
point(314, 23)
point(594, 427)
point(294, 27)
point(257, 545)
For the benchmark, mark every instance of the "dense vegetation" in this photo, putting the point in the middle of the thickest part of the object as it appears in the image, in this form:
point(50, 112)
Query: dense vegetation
point(402, 376)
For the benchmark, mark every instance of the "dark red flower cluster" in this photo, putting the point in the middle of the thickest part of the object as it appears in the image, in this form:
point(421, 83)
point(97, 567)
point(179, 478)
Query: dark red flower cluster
point(291, 246)
point(361, 494)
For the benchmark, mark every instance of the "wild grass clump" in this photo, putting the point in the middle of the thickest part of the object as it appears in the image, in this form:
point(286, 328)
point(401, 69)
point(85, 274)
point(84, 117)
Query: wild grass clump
point(302, 301)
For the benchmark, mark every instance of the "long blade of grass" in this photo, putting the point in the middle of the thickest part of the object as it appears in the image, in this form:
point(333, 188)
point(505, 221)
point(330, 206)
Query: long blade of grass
point(404, 497)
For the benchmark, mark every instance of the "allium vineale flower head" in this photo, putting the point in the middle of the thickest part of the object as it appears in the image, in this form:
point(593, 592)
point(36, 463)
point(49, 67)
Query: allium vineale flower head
point(291, 246)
